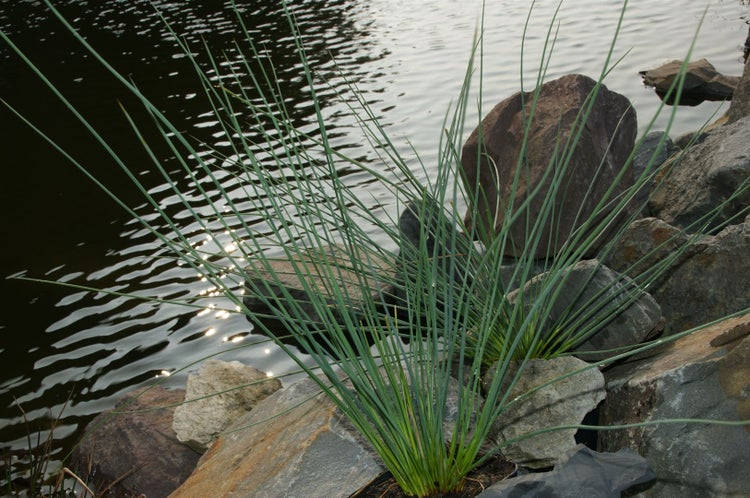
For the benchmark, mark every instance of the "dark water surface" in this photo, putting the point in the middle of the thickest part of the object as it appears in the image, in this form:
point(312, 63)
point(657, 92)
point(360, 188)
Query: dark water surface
point(408, 57)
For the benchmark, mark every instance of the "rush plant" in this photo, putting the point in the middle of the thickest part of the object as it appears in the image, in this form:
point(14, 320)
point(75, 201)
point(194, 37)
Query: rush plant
point(388, 328)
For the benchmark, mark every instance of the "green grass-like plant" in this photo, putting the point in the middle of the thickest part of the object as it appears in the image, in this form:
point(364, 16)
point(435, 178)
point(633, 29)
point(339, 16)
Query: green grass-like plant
point(388, 328)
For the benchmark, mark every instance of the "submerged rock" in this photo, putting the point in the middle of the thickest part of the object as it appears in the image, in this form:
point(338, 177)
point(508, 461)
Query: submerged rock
point(308, 277)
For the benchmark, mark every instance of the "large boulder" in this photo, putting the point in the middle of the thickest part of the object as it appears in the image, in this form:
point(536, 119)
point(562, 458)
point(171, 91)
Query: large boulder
point(490, 169)
point(133, 448)
point(565, 401)
point(216, 396)
point(704, 279)
point(712, 175)
point(702, 82)
point(293, 443)
point(704, 375)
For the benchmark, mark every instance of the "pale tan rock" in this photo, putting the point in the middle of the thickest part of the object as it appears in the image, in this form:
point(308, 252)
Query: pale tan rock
point(563, 402)
point(218, 394)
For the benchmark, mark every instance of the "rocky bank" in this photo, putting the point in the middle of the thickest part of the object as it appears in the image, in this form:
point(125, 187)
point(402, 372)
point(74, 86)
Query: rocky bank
point(247, 449)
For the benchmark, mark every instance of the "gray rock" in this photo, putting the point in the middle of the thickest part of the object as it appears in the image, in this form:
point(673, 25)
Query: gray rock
point(307, 277)
point(582, 473)
point(591, 292)
point(713, 283)
point(707, 278)
point(653, 149)
point(713, 173)
point(293, 443)
point(702, 82)
point(740, 106)
point(135, 451)
point(218, 394)
point(690, 138)
point(489, 169)
point(563, 402)
point(704, 375)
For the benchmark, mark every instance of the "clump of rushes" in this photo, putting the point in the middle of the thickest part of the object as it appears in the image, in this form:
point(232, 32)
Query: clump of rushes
point(386, 329)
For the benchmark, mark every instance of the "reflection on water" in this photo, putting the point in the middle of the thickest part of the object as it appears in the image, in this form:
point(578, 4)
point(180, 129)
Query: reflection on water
point(408, 60)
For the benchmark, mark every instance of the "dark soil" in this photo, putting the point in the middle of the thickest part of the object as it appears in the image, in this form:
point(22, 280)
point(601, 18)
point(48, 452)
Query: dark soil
point(495, 469)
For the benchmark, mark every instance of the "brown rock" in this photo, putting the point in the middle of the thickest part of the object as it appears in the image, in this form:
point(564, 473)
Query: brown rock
point(491, 174)
point(702, 82)
point(141, 448)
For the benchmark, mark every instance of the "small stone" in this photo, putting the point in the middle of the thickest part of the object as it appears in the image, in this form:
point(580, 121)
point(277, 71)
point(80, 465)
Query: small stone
point(223, 392)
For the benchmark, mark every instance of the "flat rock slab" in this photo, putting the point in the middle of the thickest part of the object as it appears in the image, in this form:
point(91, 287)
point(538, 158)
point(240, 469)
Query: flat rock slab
point(309, 276)
point(293, 443)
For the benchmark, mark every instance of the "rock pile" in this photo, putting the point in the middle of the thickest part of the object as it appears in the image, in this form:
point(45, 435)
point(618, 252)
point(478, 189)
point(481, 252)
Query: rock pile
point(309, 450)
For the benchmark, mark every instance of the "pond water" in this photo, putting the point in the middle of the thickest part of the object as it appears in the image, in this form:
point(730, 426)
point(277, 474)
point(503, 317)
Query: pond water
point(407, 57)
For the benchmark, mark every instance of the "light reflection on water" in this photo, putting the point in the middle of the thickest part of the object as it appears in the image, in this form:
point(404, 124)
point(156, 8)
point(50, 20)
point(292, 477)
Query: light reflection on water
point(407, 58)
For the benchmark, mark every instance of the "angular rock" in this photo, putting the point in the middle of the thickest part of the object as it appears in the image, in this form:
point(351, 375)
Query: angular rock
point(564, 402)
point(137, 449)
point(581, 473)
point(714, 173)
point(308, 277)
point(645, 243)
point(219, 393)
point(293, 443)
point(653, 149)
point(740, 106)
point(705, 282)
point(704, 375)
point(489, 169)
point(591, 292)
point(702, 82)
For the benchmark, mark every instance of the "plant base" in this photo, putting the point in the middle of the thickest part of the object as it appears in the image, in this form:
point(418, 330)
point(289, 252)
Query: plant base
point(495, 469)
